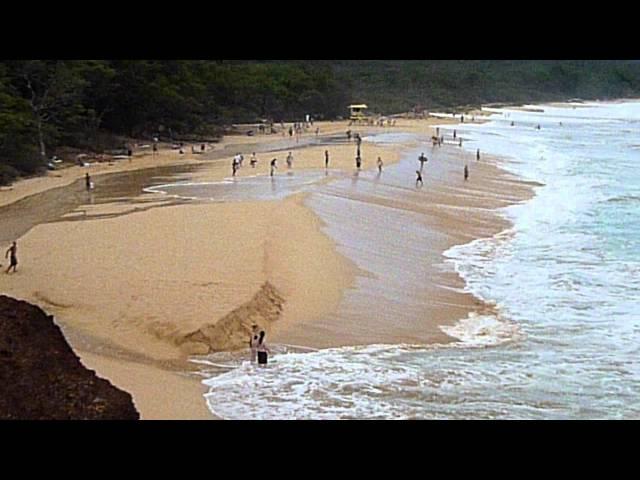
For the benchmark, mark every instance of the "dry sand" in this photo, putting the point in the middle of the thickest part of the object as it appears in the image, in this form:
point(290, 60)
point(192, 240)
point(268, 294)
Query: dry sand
point(136, 294)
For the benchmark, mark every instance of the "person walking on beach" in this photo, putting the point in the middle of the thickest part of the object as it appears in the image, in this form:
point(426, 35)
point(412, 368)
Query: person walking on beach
point(466, 173)
point(13, 261)
point(326, 159)
point(478, 155)
point(234, 165)
point(274, 165)
point(253, 160)
point(419, 178)
point(263, 350)
point(380, 165)
point(422, 159)
point(358, 162)
point(454, 134)
point(289, 160)
point(253, 343)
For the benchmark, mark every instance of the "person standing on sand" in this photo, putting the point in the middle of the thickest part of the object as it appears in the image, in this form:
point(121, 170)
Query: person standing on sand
point(380, 165)
point(454, 134)
point(478, 155)
point(358, 162)
point(460, 144)
point(234, 165)
point(253, 160)
point(422, 159)
point(274, 165)
point(419, 178)
point(263, 350)
point(289, 160)
point(317, 131)
point(326, 159)
point(13, 261)
point(466, 173)
point(87, 181)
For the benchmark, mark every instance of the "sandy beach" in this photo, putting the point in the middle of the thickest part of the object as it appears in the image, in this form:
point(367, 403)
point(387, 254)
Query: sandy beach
point(141, 283)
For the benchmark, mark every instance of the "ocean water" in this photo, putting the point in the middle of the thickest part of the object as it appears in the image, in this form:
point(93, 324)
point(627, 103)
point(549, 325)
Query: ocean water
point(565, 343)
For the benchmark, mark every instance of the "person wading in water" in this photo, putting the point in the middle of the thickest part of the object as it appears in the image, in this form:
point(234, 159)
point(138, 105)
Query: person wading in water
point(253, 343)
point(263, 350)
point(422, 159)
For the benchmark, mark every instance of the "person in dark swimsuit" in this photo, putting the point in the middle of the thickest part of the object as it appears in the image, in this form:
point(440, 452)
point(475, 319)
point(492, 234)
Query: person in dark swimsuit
point(419, 178)
point(263, 350)
point(466, 173)
point(326, 159)
point(87, 181)
point(13, 251)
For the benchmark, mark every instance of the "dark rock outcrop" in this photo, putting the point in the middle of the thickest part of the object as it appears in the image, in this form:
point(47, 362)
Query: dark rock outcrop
point(41, 378)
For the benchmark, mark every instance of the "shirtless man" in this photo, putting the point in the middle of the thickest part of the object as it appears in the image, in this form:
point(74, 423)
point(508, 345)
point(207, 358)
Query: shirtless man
point(289, 160)
point(13, 250)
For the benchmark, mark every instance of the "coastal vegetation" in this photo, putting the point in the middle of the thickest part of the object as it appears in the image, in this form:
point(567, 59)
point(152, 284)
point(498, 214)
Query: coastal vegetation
point(97, 104)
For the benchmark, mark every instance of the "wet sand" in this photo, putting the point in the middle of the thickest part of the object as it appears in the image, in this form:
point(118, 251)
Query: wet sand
point(140, 281)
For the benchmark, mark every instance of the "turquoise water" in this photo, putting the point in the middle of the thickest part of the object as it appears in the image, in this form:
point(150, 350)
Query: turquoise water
point(565, 278)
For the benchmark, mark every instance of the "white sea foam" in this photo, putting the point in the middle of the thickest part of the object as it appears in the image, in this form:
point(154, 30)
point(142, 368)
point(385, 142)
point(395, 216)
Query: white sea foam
point(565, 340)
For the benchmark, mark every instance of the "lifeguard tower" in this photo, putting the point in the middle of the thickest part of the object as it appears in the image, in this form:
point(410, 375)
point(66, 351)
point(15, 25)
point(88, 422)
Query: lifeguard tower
point(357, 112)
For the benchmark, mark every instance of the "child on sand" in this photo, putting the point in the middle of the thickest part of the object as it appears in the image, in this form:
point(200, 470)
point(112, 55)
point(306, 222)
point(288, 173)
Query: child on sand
point(13, 262)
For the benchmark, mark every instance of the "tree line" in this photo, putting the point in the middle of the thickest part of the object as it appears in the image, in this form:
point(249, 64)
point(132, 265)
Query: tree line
point(94, 104)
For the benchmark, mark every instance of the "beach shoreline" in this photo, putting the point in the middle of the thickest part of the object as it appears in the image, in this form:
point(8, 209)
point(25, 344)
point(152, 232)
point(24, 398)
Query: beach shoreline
point(126, 330)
